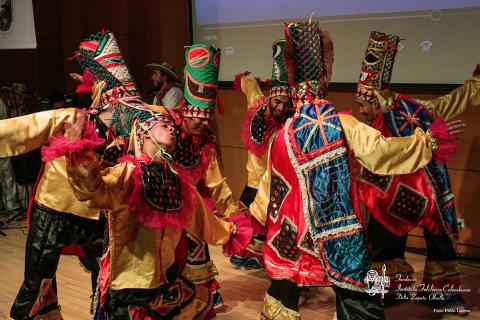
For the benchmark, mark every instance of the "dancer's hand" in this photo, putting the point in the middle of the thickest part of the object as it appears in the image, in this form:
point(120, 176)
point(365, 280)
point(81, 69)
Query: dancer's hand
point(73, 130)
point(456, 127)
point(76, 76)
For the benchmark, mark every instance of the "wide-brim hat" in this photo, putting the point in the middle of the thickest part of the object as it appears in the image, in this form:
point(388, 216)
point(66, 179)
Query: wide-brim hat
point(167, 68)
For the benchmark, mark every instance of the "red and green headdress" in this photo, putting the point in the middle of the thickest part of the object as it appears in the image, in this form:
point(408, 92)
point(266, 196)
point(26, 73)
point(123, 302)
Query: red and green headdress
point(279, 85)
point(101, 55)
point(377, 65)
point(308, 60)
point(201, 81)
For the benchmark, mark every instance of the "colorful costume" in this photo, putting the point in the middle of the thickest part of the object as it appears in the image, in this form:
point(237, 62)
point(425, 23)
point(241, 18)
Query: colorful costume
point(258, 131)
point(57, 218)
point(399, 203)
point(315, 235)
point(149, 207)
point(196, 157)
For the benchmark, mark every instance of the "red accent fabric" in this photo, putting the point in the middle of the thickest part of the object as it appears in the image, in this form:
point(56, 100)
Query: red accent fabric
point(150, 217)
point(60, 146)
point(476, 72)
point(237, 80)
point(88, 80)
point(446, 141)
point(378, 202)
point(239, 241)
point(257, 149)
point(181, 253)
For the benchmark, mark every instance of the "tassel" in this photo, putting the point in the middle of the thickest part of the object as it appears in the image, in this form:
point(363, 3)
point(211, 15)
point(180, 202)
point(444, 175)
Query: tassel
point(220, 105)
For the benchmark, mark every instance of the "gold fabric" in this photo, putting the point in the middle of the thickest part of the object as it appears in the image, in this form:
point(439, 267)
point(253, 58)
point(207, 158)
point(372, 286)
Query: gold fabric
point(200, 273)
point(457, 101)
point(256, 167)
point(22, 134)
point(219, 189)
point(386, 156)
point(250, 89)
point(272, 309)
point(199, 307)
point(139, 256)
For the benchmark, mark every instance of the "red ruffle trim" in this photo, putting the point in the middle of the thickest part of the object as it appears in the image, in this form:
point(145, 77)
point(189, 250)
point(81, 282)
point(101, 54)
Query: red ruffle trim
point(242, 238)
point(237, 81)
point(446, 141)
point(59, 145)
point(156, 219)
point(258, 149)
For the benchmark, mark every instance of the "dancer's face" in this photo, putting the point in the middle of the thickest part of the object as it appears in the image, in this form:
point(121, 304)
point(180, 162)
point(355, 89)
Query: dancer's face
point(278, 107)
point(368, 110)
point(196, 126)
point(164, 134)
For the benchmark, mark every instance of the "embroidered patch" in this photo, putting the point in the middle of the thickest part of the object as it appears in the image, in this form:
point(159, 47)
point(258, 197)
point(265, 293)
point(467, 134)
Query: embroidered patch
point(380, 182)
point(284, 242)
point(258, 126)
point(408, 204)
point(172, 298)
point(46, 297)
point(307, 243)
point(161, 187)
point(111, 155)
point(187, 153)
point(195, 248)
point(279, 189)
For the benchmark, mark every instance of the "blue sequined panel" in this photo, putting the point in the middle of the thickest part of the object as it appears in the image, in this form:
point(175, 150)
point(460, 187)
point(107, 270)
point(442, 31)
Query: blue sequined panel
point(402, 117)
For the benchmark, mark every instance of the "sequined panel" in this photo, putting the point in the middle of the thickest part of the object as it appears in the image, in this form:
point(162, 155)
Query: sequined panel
point(112, 154)
point(307, 243)
point(380, 182)
point(187, 153)
point(284, 242)
point(194, 246)
point(278, 191)
point(258, 126)
point(408, 204)
point(161, 187)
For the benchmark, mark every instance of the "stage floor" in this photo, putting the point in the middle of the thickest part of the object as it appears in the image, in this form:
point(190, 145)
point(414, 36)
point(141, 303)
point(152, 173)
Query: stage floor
point(242, 290)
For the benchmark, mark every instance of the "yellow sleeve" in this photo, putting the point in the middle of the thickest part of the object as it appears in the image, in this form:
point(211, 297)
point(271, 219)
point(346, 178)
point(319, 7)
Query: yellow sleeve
point(256, 167)
point(457, 101)
point(258, 208)
point(208, 227)
point(22, 134)
point(107, 189)
point(386, 156)
point(219, 189)
point(250, 89)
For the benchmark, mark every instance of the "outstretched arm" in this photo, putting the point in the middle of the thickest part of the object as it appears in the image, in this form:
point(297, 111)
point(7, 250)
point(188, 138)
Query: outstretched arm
point(22, 134)
point(387, 156)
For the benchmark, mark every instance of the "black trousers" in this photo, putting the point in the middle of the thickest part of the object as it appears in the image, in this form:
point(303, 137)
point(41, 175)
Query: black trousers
point(351, 305)
point(50, 231)
point(386, 245)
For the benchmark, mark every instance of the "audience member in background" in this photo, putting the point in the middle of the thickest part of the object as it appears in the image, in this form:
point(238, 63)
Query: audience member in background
point(167, 85)
point(57, 100)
